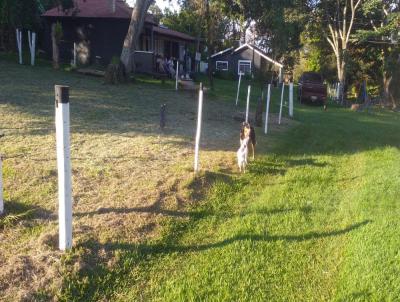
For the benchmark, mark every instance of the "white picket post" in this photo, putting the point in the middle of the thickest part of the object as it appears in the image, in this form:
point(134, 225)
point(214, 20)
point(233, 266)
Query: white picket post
point(32, 45)
point(64, 167)
point(19, 44)
point(248, 103)
point(338, 90)
point(198, 132)
point(280, 110)
point(74, 54)
point(1, 186)
point(238, 88)
point(33, 48)
point(291, 99)
point(177, 75)
point(267, 109)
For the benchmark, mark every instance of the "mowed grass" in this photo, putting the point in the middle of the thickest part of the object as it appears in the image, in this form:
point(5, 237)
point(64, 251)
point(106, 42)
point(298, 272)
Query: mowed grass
point(127, 174)
point(316, 219)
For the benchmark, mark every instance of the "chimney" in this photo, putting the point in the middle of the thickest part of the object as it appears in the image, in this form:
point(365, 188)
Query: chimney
point(112, 5)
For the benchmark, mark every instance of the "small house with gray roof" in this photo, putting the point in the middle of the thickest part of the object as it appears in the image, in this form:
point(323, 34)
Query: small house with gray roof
point(246, 59)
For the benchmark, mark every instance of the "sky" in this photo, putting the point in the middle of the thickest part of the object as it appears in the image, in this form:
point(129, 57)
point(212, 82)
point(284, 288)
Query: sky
point(172, 5)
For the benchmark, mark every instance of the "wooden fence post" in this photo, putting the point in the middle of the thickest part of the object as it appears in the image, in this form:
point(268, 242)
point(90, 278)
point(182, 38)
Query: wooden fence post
point(64, 167)
point(248, 103)
point(198, 132)
point(238, 88)
point(267, 109)
point(280, 110)
point(291, 99)
point(1, 186)
point(162, 116)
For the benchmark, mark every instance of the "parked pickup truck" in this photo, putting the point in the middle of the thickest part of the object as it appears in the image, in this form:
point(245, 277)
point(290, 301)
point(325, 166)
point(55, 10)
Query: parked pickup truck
point(312, 88)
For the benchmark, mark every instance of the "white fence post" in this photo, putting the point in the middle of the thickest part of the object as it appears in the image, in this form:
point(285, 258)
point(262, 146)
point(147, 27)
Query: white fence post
point(280, 110)
point(267, 109)
point(32, 45)
point(238, 88)
point(338, 91)
point(1, 186)
point(281, 75)
point(177, 75)
point(64, 167)
point(248, 103)
point(198, 132)
point(75, 54)
point(291, 99)
point(19, 44)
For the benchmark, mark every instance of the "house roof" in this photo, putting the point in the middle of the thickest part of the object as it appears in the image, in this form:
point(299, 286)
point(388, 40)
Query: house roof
point(96, 9)
point(102, 9)
point(252, 47)
point(172, 33)
point(222, 52)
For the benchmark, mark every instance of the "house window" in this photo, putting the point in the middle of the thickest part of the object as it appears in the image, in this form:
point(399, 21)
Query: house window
point(221, 65)
point(244, 66)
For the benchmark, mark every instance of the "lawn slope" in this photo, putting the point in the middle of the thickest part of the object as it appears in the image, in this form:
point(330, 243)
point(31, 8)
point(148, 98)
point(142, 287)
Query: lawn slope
point(316, 219)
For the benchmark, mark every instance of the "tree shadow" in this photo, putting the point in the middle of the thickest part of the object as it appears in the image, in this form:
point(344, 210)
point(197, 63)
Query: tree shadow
point(357, 296)
point(262, 166)
point(194, 215)
point(198, 189)
point(150, 249)
point(305, 162)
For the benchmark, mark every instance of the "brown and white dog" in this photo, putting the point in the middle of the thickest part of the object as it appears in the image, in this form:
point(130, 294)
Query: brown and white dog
point(247, 131)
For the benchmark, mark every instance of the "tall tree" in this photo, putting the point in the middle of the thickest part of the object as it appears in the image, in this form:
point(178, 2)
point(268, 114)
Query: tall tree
point(131, 41)
point(340, 16)
point(382, 35)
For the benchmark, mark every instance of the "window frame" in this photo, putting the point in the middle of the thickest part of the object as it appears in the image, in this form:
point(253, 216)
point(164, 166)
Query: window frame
point(245, 61)
point(227, 65)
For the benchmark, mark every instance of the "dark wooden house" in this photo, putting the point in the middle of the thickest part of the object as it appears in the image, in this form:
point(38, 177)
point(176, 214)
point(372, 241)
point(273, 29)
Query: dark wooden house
point(246, 59)
point(98, 29)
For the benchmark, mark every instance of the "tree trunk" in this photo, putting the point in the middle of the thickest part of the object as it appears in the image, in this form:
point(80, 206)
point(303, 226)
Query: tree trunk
point(210, 44)
point(131, 41)
point(340, 65)
point(387, 90)
point(56, 57)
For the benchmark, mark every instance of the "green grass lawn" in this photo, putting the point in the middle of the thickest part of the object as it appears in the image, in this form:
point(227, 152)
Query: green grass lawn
point(314, 219)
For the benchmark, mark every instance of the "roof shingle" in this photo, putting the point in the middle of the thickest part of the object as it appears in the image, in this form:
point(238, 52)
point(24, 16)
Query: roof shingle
point(95, 9)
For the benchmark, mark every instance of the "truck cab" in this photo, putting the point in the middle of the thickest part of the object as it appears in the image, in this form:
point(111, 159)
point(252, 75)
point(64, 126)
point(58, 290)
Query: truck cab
point(312, 88)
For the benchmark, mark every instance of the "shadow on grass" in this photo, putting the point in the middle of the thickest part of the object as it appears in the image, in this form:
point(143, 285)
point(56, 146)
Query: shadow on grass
point(305, 162)
point(194, 215)
point(166, 249)
point(357, 296)
point(198, 189)
point(15, 212)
